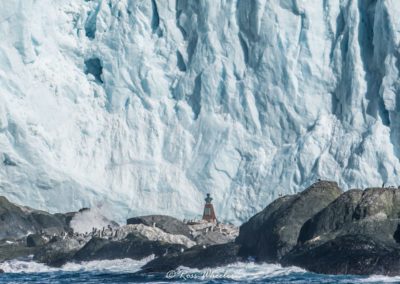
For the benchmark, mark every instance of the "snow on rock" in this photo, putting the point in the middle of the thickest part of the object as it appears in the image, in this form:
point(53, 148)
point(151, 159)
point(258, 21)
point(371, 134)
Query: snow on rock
point(153, 234)
point(145, 106)
point(207, 233)
point(204, 227)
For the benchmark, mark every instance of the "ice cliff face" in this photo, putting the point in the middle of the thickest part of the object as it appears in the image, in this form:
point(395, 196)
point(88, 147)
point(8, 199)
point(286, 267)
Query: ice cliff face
point(145, 106)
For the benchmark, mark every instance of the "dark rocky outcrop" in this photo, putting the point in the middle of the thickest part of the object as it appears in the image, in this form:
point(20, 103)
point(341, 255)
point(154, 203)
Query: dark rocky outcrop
point(333, 217)
point(168, 224)
point(35, 240)
point(320, 229)
point(274, 231)
point(373, 212)
point(378, 203)
point(18, 221)
point(196, 257)
point(355, 234)
point(396, 234)
point(349, 254)
point(58, 251)
point(133, 246)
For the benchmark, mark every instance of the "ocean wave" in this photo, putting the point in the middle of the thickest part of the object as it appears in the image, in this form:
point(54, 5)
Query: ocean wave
point(237, 272)
point(248, 271)
point(19, 266)
point(381, 279)
point(113, 266)
point(252, 271)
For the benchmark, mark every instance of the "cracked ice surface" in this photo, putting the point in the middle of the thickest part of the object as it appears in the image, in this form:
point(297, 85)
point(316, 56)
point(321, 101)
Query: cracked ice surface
point(145, 106)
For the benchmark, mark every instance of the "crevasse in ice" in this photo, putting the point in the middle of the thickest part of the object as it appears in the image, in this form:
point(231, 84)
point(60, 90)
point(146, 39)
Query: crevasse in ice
point(141, 107)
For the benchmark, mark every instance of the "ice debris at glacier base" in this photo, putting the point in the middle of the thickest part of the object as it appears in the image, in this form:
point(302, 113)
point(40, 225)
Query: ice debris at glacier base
point(145, 106)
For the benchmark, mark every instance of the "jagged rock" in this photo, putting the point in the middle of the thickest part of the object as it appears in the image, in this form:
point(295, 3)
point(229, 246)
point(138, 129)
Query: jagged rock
point(372, 212)
point(350, 254)
point(18, 221)
point(35, 240)
point(355, 234)
point(1, 271)
point(196, 257)
point(133, 246)
point(274, 231)
point(319, 229)
point(58, 252)
point(168, 224)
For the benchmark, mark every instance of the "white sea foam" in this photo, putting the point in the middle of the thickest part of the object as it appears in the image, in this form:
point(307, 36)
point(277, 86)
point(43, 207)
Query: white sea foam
point(116, 266)
point(244, 271)
point(86, 220)
point(17, 266)
point(252, 271)
point(240, 271)
point(381, 279)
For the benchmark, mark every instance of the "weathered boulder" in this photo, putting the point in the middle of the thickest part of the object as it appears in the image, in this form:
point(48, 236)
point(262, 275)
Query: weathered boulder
point(58, 251)
point(133, 246)
point(333, 217)
point(168, 224)
point(378, 203)
point(274, 231)
point(373, 212)
point(18, 221)
point(212, 238)
point(349, 254)
point(195, 257)
point(35, 240)
point(358, 233)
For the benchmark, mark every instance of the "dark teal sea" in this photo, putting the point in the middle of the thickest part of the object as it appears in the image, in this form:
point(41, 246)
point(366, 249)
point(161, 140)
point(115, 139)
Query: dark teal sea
point(125, 271)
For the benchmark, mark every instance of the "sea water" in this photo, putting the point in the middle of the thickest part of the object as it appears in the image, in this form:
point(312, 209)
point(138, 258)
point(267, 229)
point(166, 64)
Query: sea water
point(125, 271)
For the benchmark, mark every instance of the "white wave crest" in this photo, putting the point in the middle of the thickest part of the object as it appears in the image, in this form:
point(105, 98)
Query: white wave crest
point(117, 266)
point(247, 271)
point(240, 271)
point(381, 279)
point(18, 266)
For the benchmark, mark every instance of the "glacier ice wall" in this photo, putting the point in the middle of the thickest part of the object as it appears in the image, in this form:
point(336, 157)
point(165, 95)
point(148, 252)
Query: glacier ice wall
point(145, 106)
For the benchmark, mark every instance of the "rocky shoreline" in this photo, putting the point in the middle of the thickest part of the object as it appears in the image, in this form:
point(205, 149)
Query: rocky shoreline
point(51, 239)
point(321, 229)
